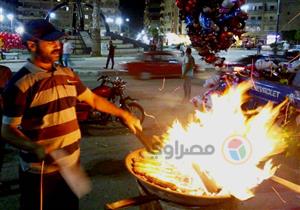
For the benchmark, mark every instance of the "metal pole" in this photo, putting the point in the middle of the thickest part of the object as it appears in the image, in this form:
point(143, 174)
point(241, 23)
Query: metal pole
point(277, 26)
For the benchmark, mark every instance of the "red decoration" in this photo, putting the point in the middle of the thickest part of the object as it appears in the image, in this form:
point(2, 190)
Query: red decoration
point(212, 24)
point(11, 41)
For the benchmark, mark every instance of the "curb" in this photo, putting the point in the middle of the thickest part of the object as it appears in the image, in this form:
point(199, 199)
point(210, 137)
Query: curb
point(101, 72)
point(12, 61)
point(98, 72)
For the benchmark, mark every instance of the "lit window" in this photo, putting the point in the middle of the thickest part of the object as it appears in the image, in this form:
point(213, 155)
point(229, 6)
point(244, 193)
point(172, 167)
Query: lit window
point(86, 17)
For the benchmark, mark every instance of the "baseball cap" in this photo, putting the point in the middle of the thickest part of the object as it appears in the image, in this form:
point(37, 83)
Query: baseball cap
point(42, 30)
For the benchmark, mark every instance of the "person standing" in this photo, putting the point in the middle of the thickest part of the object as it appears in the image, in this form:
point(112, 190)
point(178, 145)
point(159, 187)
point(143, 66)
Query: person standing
point(258, 48)
point(181, 48)
point(188, 67)
point(39, 118)
point(67, 51)
point(111, 55)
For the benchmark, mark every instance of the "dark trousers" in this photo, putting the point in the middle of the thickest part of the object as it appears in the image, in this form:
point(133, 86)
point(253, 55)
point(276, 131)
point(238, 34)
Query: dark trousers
point(66, 59)
point(56, 193)
point(110, 57)
point(187, 86)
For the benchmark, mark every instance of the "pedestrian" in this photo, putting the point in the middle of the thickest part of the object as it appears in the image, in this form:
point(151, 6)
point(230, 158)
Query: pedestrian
point(160, 44)
point(5, 75)
point(111, 55)
point(67, 51)
point(258, 48)
point(188, 67)
point(39, 119)
point(152, 45)
point(181, 48)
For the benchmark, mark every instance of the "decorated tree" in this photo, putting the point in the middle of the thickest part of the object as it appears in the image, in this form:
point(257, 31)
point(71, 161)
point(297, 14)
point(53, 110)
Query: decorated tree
point(212, 25)
point(10, 41)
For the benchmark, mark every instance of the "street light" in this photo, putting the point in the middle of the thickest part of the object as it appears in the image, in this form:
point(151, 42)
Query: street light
point(119, 21)
point(52, 15)
point(109, 20)
point(20, 29)
point(11, 18)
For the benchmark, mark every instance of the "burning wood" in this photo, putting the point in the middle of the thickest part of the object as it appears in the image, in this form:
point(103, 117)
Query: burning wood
point(209, 184)
point(164, 175)
point(290, 185)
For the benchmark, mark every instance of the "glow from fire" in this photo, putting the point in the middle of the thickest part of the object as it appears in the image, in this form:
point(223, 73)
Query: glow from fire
point(222, 128)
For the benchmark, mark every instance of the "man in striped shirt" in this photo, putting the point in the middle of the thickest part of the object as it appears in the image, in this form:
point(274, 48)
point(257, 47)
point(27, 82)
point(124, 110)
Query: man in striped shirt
point(40, 118)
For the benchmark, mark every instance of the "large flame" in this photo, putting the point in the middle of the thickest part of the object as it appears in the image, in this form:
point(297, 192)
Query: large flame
point(218, 132)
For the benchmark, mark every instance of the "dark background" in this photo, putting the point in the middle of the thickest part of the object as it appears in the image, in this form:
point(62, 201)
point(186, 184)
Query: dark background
point(134, 10)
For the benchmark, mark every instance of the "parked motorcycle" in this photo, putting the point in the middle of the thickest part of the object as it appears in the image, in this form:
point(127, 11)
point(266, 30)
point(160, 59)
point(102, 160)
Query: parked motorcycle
point(113, 91)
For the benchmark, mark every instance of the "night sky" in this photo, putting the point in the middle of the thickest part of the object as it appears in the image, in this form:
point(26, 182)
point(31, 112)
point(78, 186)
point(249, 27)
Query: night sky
point(134, 10)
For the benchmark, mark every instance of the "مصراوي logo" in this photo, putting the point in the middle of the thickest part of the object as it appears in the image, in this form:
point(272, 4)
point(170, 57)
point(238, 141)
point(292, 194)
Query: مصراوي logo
point(237, 149)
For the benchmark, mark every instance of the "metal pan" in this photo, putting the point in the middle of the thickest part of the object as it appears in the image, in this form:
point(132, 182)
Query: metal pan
point(173, 196)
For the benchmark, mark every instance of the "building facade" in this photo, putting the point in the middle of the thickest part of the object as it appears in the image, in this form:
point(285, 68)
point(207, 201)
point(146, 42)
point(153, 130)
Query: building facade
point(170, 17)
point(152, 15)
point(262, 22)
point(65, 17)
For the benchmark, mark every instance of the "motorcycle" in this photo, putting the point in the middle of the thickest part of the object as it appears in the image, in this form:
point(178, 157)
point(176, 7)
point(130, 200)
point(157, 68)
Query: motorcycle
point(113, 91)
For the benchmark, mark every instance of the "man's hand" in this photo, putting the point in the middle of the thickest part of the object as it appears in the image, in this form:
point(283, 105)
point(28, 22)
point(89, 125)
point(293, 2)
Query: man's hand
point(132, 122)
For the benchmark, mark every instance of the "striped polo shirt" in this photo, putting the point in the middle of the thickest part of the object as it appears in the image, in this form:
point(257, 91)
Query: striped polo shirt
point(42, 105)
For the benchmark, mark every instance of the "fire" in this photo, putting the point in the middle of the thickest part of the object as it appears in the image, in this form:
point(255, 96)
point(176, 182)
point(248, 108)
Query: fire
point(226, 143)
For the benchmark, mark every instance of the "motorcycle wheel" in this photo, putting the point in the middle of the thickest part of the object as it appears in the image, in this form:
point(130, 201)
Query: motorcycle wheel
point(136, 110)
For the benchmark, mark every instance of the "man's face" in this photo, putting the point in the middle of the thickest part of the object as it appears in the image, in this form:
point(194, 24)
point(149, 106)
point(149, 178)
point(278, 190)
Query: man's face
point(47, 51)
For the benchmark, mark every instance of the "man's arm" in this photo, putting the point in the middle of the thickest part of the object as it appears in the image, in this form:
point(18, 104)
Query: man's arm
point(16, 138)
point(103, 105)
